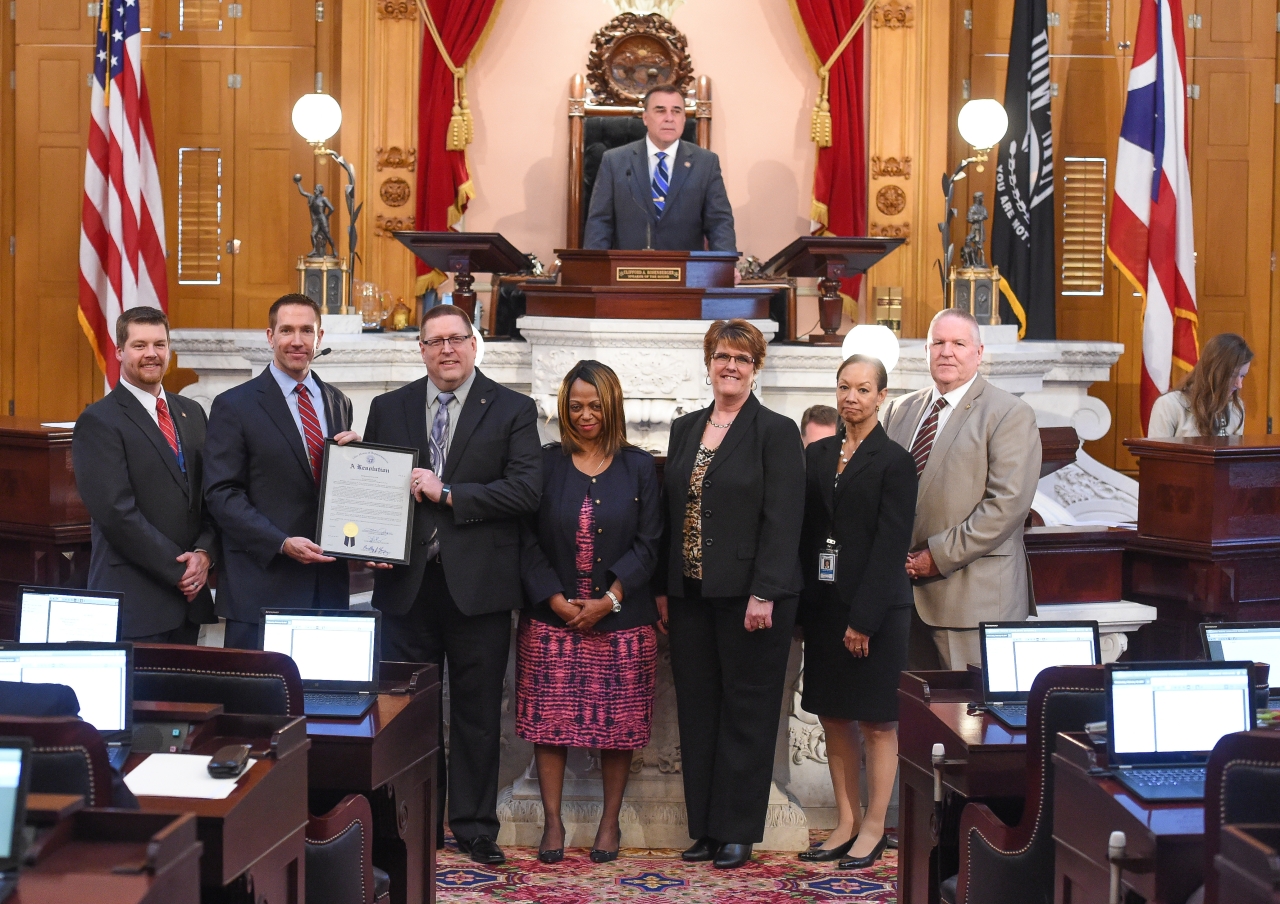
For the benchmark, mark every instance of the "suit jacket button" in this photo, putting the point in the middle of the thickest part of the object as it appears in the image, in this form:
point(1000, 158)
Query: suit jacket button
point(706, 514)
point(706, 484)
point(597, 502)
point(598, 559)
point(708, 541)
point(593, 480)
point(599, 530)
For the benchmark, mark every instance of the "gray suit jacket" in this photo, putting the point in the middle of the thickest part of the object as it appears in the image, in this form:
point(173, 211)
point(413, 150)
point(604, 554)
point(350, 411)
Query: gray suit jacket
point(622, 214)
point(974, 496)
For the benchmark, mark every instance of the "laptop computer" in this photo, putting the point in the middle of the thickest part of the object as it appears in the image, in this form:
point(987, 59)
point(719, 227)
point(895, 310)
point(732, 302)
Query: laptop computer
point(101, 674)
point(1013, 653)
point(1247, 641)
point(58, 615)
point(336, 651)
point(15, 777)
point(1163, 719)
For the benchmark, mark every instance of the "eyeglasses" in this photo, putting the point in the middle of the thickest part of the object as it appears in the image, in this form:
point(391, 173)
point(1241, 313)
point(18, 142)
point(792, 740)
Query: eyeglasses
point(741, 360)
point(437, 342)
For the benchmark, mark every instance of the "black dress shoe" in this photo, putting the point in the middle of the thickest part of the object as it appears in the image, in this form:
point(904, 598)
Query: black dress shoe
point(703, 849)
point(555, 855)
point(599, 856)
point(819, 855)
point(864, 862)
point(482, 849)
point(732, 856)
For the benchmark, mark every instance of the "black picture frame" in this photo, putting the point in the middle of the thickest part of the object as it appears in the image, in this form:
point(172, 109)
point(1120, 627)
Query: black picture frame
point(324, 486)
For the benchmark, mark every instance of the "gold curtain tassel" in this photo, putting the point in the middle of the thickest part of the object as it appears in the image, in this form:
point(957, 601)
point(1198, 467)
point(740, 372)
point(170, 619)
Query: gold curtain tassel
point(820, 128)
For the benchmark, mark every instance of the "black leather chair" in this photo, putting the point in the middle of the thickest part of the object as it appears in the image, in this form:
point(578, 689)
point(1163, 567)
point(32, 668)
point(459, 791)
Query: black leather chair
point(1014, 864)
point(1242, 785)
point(340, 866)
point(68, 756)
point(248, 682)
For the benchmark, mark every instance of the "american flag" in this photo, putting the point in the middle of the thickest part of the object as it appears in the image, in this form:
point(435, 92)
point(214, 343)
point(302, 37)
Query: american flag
point(1151, 227)
point(122, 256)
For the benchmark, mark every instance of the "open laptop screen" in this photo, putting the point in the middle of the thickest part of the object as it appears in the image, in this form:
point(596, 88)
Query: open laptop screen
point(1014, 653)
point(14, 778)
point(1177, 712)
point(52, 615)
point(334, 650)
point(100, 674)
point(1245, 642)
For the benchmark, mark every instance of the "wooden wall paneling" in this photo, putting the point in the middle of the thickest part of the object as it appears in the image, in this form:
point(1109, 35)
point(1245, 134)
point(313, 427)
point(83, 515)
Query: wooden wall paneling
point(7, 98)
point(55, 373)
point(269, 217)
point(276, 23)
point(53, 22)
point(1272, 373)
point(1232, 172)
point(1233, 29)
point(198, 168)
point(194, 23)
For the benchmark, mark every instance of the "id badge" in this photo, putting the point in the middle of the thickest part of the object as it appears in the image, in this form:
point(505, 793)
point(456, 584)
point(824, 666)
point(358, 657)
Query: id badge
point(828, 559)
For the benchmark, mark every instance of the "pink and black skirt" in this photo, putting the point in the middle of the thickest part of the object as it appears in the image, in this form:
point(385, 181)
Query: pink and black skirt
point(585, 690)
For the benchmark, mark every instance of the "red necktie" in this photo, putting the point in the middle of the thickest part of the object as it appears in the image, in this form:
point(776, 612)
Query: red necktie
point(923, 444)
point(166, 423)
point(311, 429)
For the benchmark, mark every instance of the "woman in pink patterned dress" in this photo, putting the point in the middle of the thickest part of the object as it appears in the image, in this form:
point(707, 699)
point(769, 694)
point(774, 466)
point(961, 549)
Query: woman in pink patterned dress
point(587, 647)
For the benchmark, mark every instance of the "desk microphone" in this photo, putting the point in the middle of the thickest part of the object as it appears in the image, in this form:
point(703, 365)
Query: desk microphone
point(323, 352)
point(648, 218)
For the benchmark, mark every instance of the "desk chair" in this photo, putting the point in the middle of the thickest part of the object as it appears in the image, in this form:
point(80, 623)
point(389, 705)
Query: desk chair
point(1013, 864)
point(1242, 785)
point(68, 756)
point(248, 682)
point(340, 866)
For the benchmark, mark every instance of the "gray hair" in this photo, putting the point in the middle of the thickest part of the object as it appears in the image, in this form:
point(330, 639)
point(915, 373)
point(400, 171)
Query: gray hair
point(960, 315)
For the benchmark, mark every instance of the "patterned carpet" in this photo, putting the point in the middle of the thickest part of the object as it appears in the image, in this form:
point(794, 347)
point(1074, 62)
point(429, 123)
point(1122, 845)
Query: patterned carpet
point(659, 877)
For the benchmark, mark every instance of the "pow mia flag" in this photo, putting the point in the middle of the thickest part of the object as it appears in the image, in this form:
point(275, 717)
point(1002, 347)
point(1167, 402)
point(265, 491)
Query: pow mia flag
point(1022, 229)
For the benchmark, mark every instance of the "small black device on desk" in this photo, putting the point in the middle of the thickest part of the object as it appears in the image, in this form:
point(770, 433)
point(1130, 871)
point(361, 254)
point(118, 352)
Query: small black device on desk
point(15, 776)
point(229, 761)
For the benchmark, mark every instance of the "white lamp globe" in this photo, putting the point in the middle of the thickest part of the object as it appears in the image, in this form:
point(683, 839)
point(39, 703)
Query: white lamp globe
point(875, 341)
point(982, 123)
point(479, 346)
point(316, 117)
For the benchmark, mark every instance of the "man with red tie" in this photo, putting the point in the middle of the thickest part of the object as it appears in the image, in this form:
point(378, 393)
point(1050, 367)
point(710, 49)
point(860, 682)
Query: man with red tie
point(138, 456)
point(262, 479)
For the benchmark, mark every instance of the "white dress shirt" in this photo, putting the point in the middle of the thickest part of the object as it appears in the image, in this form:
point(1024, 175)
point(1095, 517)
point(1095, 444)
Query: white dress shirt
point(287, 385)
point(148, 401)
point(953, 399)
point(653, 157)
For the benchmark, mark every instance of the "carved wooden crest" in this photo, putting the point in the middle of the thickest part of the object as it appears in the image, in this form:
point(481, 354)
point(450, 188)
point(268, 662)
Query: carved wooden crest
point(634, 53)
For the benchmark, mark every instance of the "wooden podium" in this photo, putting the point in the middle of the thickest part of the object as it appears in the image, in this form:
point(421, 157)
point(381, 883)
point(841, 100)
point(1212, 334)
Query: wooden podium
point(648, 285)
point(462, 254)
point(831, 258)
point(1208, 540)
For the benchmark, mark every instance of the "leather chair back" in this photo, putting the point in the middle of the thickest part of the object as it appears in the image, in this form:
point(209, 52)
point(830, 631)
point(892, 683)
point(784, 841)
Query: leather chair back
point(248, 682)
point(68, 756)
point(340, 856)
point(1242, 785)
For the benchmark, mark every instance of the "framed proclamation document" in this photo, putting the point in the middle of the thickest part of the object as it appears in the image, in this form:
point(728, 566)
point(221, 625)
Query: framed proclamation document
point(366, 509)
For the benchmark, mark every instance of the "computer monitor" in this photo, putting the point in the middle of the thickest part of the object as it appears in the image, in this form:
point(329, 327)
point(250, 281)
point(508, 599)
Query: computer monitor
point(15, 777)
point(58, 615)
point(1245, 641)
point(334, 649)
point(1014, 653)
point(101, 674)
point(1175, 712)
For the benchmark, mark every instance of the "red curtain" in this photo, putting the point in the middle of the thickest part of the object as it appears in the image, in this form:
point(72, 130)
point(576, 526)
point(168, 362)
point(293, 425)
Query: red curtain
point(840, 177)
point(444, 183)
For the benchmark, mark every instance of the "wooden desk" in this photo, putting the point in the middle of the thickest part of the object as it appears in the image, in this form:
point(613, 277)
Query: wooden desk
point(253, 839)
point(112, 857)
point(1248, 865)
point(390, 757)
point(1165, 848)
point(986, 761)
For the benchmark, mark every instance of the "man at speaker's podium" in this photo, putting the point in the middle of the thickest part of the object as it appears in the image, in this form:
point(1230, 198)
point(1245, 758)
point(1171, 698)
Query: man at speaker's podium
point(660, 192)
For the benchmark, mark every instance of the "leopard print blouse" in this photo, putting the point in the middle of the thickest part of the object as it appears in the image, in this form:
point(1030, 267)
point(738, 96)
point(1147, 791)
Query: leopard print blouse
point(693, 515)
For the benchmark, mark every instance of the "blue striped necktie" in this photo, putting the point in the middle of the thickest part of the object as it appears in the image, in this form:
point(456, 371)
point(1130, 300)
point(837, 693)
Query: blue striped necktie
point(661, 181)
point(438, 440)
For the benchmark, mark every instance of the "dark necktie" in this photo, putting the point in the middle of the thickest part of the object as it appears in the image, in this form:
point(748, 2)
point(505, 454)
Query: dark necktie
point(923, 444)
point(439, 439)
point(166, 427)
point(661, 182)
point(311, 430)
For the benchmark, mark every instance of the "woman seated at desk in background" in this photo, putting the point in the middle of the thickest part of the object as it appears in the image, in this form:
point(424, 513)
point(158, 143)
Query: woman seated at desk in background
point(1208, 402)
point(860, 504)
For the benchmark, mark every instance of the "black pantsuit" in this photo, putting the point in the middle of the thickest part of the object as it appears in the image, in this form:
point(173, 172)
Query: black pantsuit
point(729, 681)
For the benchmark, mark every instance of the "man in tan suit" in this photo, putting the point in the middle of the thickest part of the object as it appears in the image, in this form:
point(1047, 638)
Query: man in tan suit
point(977, 451)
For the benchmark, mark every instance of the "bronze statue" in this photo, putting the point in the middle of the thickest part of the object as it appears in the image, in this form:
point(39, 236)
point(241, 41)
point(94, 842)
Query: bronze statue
point(973, 254)
point(321, 209)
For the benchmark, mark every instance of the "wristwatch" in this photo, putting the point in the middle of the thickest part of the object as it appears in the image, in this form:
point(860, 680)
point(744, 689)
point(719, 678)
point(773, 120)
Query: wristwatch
point(617, 604)
point(444, 494)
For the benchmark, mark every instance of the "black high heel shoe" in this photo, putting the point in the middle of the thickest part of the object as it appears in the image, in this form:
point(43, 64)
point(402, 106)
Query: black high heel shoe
point(555, 855)
point(599, 856)
point(819, 855)
point(864, 862)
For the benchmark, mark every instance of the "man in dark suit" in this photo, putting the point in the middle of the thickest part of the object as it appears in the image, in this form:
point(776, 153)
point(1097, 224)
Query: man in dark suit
point(660, 192)
point(262, 479)
point(481, 471)
point(139, 458)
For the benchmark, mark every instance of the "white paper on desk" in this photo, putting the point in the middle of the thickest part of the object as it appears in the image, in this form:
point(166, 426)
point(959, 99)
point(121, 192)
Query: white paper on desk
point(59, 425)
point(180, 775)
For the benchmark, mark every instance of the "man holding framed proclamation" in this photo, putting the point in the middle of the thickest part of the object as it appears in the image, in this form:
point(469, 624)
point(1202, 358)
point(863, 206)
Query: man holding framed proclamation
point(366, 505)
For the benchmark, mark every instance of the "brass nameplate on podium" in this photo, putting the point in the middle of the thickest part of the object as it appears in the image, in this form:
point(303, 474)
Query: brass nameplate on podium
point(648, 274)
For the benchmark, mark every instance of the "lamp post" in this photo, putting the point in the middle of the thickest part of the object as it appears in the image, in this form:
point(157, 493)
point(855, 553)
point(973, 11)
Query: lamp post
point(982, 123)
point(317, 117)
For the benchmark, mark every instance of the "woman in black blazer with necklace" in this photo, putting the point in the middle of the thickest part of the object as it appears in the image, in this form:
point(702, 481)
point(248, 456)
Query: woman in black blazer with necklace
point(733, 504)
point(860, 504)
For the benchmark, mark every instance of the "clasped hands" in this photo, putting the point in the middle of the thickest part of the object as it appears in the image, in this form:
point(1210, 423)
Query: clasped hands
point(197, 573)
point(580, 615)
point(303, 549)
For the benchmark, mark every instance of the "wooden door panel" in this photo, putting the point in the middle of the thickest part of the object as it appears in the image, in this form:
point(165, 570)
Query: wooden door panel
point(270, 219)
point(992, 25)
point(1232, 147)
point(1236, 29)
point(53, 22)
point(54, 370)
point(277, 23)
